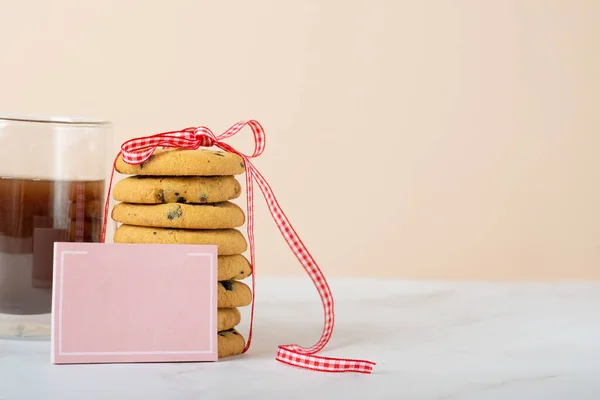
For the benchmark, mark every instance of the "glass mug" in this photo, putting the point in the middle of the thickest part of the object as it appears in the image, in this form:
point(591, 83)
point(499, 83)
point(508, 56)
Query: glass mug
point(52, 188)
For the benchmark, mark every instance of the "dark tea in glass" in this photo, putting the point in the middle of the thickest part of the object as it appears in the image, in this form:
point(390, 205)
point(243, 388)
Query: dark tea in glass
point(52, 187)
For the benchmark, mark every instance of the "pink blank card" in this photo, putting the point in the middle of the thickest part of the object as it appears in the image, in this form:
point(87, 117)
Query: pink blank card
point(134, 303)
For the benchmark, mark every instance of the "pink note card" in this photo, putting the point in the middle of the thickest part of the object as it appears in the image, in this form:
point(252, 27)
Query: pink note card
point(115, 303)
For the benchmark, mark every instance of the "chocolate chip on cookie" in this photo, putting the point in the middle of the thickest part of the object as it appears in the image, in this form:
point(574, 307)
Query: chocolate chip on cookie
point(174, 213)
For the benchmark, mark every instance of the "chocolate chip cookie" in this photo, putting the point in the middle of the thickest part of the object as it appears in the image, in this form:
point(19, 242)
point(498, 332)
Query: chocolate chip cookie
point(228, 318)
point(233, 294)
point(228, 241)
point(182, 216)
point(190, 189)
point(234, 267)
point(230, 343)
point(183, 162)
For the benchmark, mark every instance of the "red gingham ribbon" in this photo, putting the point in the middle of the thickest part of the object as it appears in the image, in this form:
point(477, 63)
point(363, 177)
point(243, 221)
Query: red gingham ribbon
point(79, 212)
point(137, 151)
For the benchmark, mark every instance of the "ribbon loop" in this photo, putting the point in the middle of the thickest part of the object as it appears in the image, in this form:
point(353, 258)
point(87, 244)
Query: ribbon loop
point(259, 137)
point(139, 150)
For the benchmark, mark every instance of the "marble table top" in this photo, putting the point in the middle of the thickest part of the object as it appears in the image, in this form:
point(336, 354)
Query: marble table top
point(431, 340)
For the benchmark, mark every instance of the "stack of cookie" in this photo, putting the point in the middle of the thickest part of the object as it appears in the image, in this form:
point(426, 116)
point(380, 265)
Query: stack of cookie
point(184, 197)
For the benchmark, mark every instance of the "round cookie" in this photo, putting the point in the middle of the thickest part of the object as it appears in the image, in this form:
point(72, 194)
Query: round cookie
point(233, 294)
point(230, 343)
point(228, 241)
point(228, 318)
point(183, 162)
point(190, 189)
point(235, 267)
point(182, 216)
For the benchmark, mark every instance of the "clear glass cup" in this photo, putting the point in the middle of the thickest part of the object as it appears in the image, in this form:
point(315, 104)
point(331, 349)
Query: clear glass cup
point(53, 174)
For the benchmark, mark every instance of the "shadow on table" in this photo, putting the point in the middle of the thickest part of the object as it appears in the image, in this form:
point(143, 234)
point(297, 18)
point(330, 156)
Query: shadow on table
point(267, 336)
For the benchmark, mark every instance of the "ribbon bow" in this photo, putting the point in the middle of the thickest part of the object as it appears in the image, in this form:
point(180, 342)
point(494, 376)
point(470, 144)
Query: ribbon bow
point(139, 150)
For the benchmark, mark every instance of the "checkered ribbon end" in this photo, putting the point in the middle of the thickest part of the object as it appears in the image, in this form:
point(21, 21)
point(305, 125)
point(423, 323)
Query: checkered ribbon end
point(139, 150)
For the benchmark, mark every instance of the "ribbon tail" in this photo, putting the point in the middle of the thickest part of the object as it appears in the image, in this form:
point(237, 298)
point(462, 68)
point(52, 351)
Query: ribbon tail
point(305, 259)
point(323, 364)
point(294, 354)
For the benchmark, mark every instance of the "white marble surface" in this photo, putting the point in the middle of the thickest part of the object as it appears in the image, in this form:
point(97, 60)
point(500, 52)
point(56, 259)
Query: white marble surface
point(431, 340)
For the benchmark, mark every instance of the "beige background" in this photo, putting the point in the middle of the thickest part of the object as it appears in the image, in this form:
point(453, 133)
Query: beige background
point(444, 139)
